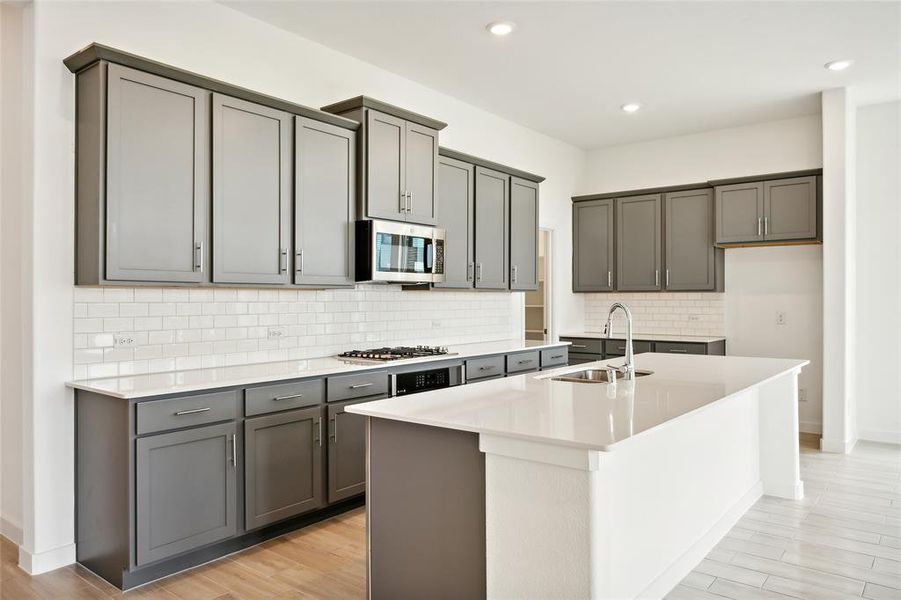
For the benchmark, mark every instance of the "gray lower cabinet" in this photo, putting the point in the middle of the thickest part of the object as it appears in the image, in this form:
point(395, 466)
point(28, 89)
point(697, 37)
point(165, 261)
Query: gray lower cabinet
point(790, 209)
point(593, 246)
point(638, 243)
point(185, 490)
point(492, 220)
point(324, 203)
point(156, 184)
point(691, 258)
point(456, 192)
point(283, 465)
point(523, 234)
point(346, 452)
point(251, 192)
point(739, 212)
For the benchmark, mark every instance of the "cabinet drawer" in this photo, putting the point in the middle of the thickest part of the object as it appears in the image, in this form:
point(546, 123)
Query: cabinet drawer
point(348, 387)
point(284, 396)
point(618, 347)
point(175, 413)
point(584, 345)
point(523, 361)
point(577, 358)
point(681, 348)
point(480, 368)
point(553, 357)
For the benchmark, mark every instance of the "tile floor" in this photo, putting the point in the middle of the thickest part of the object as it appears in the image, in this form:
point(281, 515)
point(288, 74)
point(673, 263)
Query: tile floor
point(842, 541)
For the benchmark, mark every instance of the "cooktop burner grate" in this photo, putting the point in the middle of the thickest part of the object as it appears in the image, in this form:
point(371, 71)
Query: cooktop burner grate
point(396, 353)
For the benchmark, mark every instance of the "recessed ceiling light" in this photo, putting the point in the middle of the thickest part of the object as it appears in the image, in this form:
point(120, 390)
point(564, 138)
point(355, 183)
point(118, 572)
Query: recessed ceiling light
point(631, 107)
point(839, 65)
point(501, 28)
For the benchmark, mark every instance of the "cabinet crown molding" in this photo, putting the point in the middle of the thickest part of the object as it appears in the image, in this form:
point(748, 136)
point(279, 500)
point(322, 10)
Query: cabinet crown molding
point(383, 107)
point(488, 164)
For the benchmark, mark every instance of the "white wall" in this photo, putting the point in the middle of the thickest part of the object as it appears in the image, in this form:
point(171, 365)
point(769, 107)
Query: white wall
point(216, 41)
point(877, 348)
point(759, 281)
point(12, 146)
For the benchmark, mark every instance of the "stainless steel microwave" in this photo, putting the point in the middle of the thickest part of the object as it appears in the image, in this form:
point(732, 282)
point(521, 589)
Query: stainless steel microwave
point(399, 252)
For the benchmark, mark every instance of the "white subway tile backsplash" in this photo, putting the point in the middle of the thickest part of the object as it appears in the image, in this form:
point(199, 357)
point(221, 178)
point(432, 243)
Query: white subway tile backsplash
point(181, 328)
point(662, 312)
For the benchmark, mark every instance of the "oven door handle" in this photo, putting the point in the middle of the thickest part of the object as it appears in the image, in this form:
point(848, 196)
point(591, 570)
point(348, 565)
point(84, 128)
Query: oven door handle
point(392, 380)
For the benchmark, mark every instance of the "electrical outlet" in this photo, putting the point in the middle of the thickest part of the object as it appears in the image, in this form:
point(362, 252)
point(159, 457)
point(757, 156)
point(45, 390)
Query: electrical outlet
point(436, 324)
point(780, 318)
point(694, 317)
point(802, 395)
point(276, 332)
point(124, 340)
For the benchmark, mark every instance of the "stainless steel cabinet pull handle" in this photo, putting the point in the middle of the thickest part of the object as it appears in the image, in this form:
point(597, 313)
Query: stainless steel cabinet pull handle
point(334, 423)
point(403, 201)
point(486, 368)
point(198, 257)
point(677, 350)
point(479, 272)
point(282, 260)
point(360, 385)
point(300, 262)
point(192, 411)
point(524, 362)
point(620, 347)
point(292, 396)
point(469, 268)
point(234, 450)
point(759, 221)
point(514, 273)
point(766, 226)
point(578, 346)
point(319, 425)
point(557, 356)
point(410, 195)
point(609, 279)
point(657, 277)
point(667, 278)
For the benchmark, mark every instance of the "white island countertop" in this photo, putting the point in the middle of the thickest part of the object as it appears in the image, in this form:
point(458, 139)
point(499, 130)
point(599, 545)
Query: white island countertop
point(175, 382)
point(647, 337)
point(584, 415)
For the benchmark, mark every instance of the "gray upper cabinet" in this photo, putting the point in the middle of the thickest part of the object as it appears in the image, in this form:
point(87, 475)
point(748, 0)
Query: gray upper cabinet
point(385, 166)
point(739, 212)
point(523, 234)
point(324, 194)
point(420, 172)
point(790, 209)
point(690, 254)
point(251, 192)
point(157, 187)
point(492, 214)
point(185, 490)
point(346, 452)
point(283, 472)
point(638, 243)
point(456, 190)
point(593, 246)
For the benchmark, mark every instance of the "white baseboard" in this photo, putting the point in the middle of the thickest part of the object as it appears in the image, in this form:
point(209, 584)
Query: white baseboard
point(41, 562)
point(11, 531)
point(683, 565)
point(837, 446)
point(810, 427)
point(875, 435)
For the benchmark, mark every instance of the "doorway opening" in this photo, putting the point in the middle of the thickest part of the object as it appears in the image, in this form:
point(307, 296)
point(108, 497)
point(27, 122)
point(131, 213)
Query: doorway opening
point(538, 309)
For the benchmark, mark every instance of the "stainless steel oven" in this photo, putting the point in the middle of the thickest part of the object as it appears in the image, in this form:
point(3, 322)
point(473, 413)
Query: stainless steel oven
point(399, 252)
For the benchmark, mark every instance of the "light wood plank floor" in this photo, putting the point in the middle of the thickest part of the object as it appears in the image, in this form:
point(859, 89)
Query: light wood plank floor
point(842, 541)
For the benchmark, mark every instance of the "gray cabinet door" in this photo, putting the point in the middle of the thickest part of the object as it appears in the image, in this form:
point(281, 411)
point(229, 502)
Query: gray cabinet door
point(385, 177)
point(456, 203)
point(492, 229)
point(185, 490)
point(523, 234)
point(283, 472)
point(324, 203)
point(346, 452)
point(157, 178)
point(638, 243)
point(790, 209)
point(689, 241)
point(593, 249)
point(420, 174)
point(251, 192)
point(739, 212)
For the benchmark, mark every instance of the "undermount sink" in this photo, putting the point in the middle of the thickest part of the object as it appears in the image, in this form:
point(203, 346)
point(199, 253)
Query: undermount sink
point(595, 376)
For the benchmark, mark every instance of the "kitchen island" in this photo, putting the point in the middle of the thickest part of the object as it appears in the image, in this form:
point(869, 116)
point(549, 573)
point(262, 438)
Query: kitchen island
point(533, 487)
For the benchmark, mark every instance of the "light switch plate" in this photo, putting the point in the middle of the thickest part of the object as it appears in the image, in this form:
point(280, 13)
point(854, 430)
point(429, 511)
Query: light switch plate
point(124, 340)
point(276, 332)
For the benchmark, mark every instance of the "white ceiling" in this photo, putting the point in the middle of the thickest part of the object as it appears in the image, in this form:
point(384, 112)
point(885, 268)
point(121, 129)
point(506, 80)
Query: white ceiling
point(569, 66)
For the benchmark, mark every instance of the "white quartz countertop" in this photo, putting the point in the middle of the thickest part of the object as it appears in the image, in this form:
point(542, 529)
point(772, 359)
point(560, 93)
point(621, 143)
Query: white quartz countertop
point(174, 382)
point(584, 415)
point(647, 337)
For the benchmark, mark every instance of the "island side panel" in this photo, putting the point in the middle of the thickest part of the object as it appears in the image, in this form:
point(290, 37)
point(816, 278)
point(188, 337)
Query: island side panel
point(426, 512)
point(780, 461)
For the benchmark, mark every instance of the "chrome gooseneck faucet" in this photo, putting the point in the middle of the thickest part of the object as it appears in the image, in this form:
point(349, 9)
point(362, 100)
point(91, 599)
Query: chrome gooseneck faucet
point(628, 369)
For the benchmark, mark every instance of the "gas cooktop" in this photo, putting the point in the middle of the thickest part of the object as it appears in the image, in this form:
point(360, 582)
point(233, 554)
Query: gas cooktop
point(396, 353)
